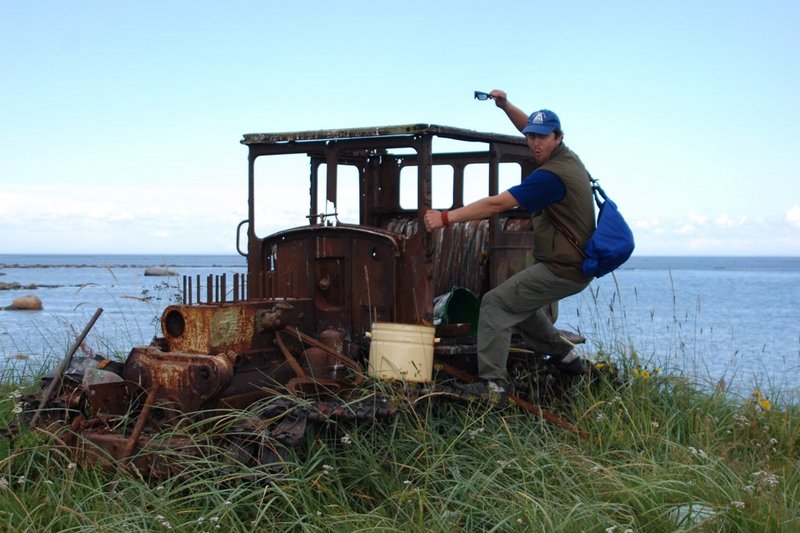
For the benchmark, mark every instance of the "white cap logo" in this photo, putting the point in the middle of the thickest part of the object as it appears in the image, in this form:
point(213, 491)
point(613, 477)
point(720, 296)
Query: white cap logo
point(538, 118)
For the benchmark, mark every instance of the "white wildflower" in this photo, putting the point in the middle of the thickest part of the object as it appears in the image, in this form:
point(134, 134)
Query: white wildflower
point(697, 452)
point(17, 409)
point(17, 394)
point(346, 439)
point(21, 480)
point(611, 529)
point(3, 483)
point(765, 479)
point(228, 502)
point(407, 482)
point(327, 468)
point(474, 432)
point(737, 505)
point(71, 466)
point(654, 423)
point(749, 489)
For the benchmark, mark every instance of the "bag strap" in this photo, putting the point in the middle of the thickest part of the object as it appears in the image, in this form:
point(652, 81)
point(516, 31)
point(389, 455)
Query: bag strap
point(569, 236)
point(597, 191)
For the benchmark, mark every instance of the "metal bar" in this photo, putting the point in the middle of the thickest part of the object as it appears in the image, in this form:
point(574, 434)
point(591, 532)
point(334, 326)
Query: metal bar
point(289, 357)
point(143, 416)
point(64, 364)
point(302, 337)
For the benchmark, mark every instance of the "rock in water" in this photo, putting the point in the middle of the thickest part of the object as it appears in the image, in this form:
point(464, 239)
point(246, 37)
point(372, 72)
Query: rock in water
point(29, 302)
point(159, 271)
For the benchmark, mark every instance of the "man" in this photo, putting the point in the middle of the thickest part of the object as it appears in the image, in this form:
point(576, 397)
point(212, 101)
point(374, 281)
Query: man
point(557, 190)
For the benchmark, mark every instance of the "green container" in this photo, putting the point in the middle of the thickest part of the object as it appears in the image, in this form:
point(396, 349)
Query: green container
point(458, 306)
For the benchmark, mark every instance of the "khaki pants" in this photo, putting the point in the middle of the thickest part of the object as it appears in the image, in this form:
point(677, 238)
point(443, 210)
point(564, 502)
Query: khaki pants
point(521, 301)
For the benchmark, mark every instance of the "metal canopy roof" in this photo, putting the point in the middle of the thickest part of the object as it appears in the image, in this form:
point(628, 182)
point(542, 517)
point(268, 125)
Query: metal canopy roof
point(408, 130)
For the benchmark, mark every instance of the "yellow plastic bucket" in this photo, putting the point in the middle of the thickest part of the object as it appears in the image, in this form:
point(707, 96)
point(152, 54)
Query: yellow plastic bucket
point(401, 352)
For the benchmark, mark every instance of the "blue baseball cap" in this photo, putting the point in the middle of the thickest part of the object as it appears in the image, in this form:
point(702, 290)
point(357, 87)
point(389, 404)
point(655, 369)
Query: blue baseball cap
point(542, 122)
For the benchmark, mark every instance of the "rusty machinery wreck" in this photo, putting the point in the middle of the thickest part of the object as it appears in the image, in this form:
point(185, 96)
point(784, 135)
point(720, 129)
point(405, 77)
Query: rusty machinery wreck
point(297, 324)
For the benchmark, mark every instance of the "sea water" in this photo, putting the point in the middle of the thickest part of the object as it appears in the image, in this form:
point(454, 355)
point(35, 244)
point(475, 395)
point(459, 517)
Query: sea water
point(73, 287)
point(731, 321)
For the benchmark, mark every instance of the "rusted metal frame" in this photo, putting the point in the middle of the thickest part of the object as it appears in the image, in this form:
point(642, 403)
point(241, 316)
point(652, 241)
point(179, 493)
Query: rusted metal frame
point(313, 188)
point(342, 230)
point(458, 184)
point(140, 422)
point(519, 402)
point(424, 297)
point(331, 178)
point(251, 190)
point(302, 137)
point(302, 337)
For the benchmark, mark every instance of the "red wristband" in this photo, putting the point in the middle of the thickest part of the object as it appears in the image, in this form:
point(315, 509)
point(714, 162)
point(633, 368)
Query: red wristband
point(445, 220)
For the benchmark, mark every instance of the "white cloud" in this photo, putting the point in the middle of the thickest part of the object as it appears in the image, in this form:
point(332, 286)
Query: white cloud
point(793, 215)
point(647, 223)
point(697, 219)
point(727, 221)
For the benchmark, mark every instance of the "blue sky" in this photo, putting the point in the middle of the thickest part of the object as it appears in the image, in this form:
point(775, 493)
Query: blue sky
point(121, 122)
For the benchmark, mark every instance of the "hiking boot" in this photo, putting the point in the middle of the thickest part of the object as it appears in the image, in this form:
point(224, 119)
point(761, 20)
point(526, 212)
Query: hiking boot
point(571, 364)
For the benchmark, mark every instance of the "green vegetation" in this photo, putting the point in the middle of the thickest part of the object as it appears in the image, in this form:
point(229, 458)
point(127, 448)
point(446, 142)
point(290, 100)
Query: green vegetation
point(663, 454)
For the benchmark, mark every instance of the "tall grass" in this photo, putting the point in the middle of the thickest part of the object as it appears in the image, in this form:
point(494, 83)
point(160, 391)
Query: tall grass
point(662, 456)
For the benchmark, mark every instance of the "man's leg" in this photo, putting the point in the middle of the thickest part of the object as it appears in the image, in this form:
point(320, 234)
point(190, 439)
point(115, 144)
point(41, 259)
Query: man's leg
point(519, 299)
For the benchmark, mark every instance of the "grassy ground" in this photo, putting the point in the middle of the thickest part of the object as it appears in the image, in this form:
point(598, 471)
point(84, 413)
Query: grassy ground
point(662, 455)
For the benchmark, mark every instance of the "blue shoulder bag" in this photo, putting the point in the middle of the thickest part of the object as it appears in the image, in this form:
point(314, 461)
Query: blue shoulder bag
point(610, 245)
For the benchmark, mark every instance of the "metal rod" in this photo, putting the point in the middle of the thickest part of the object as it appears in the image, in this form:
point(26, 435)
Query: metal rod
point(130, 446)
point(64, 365)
